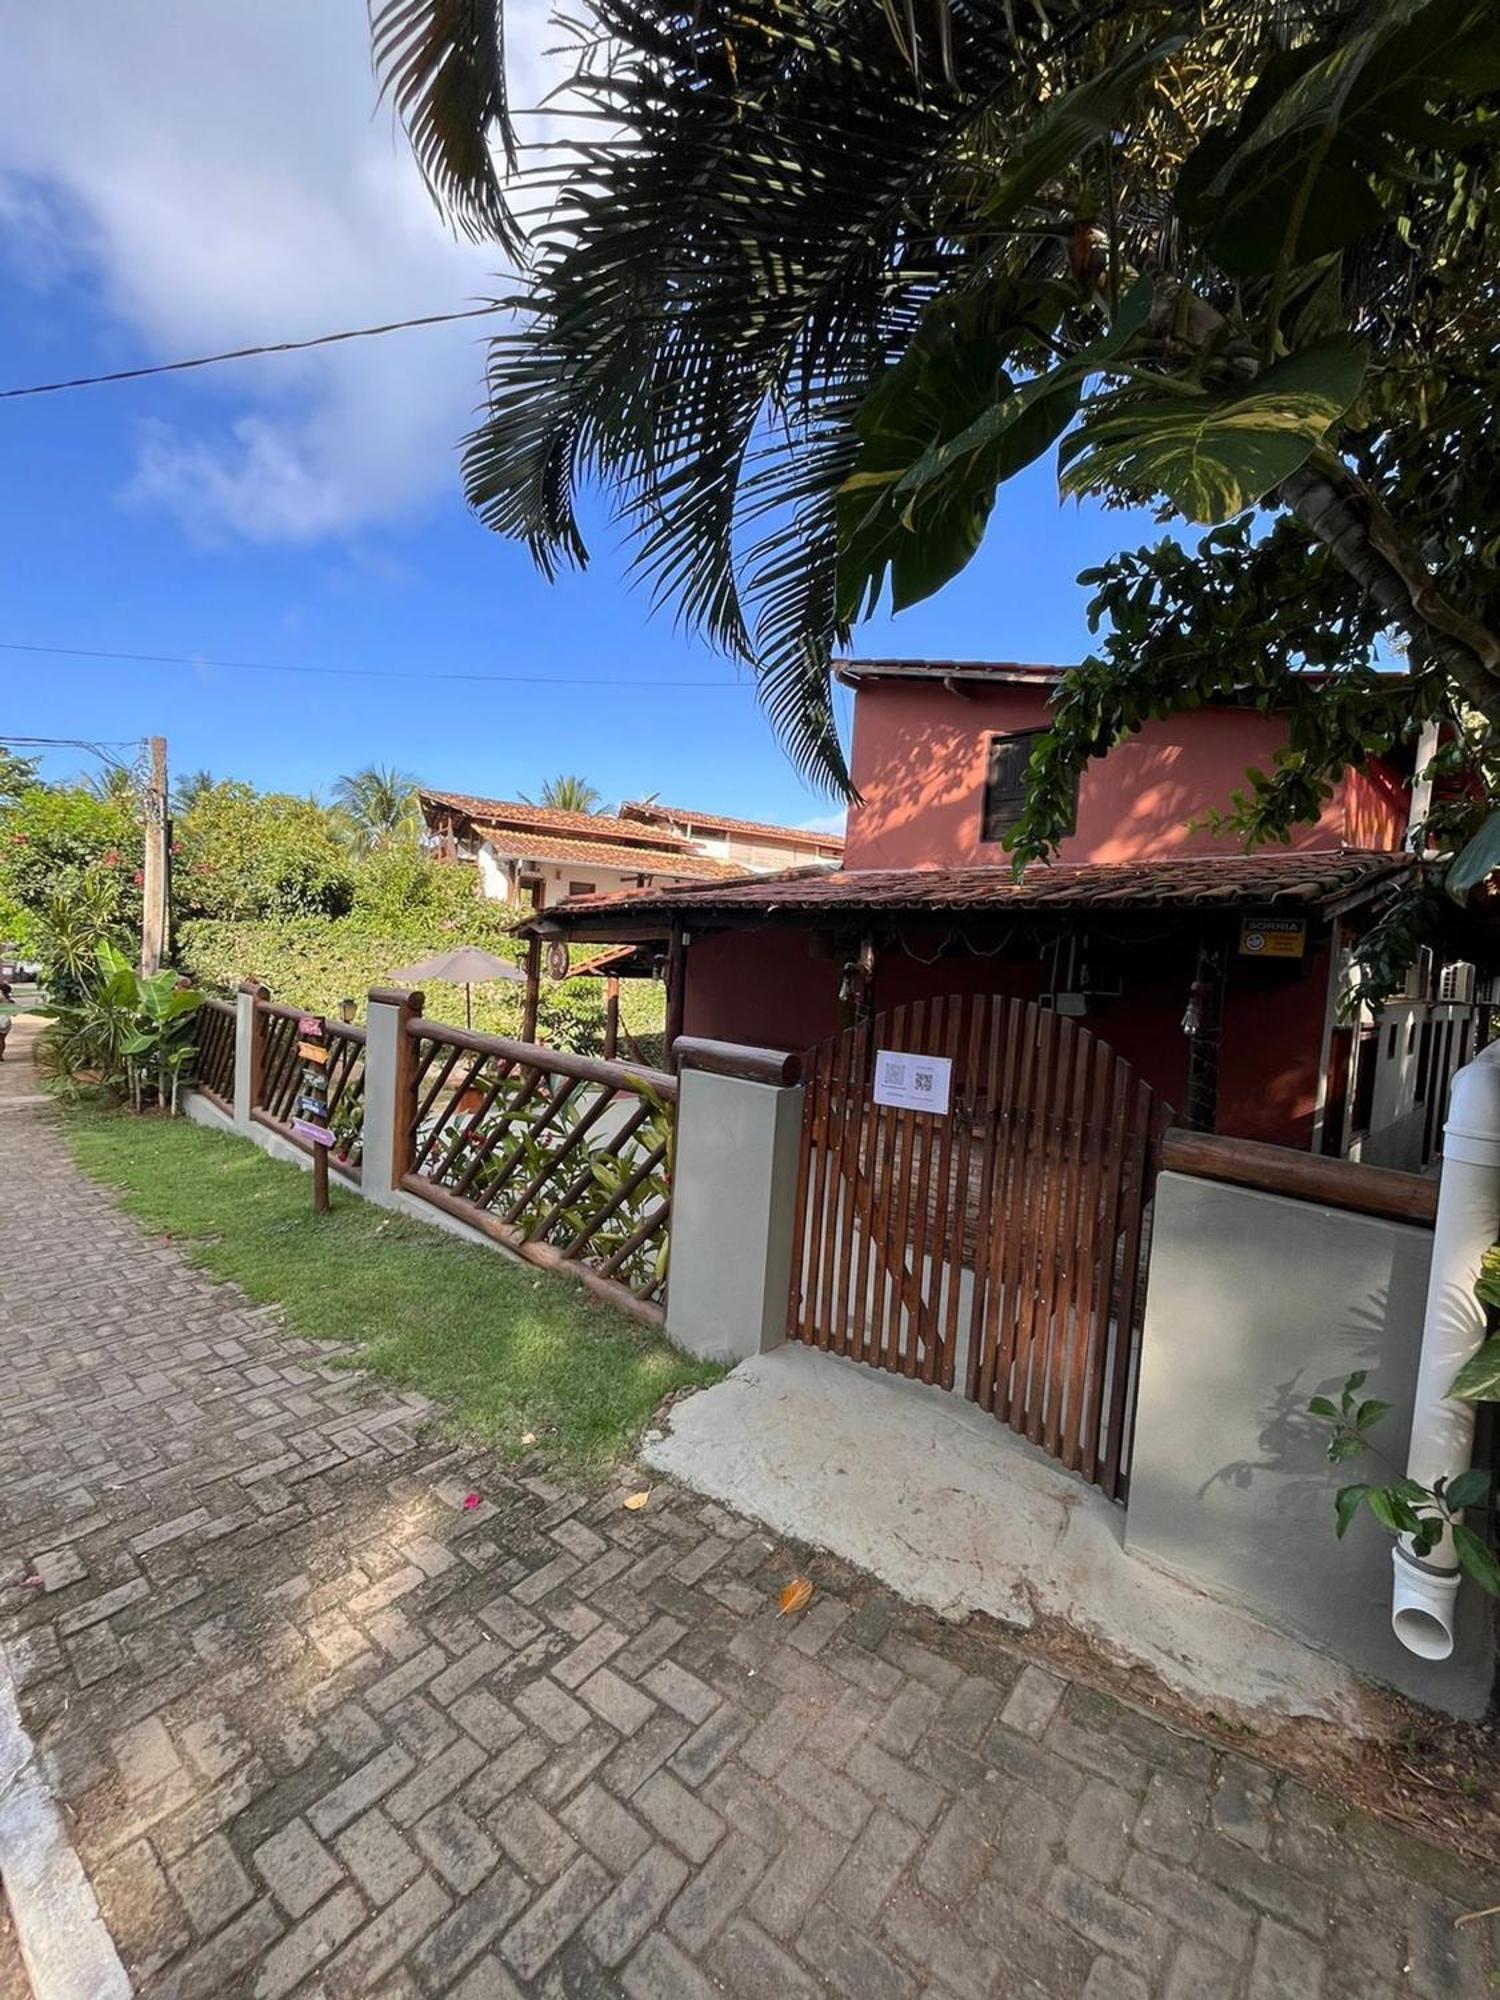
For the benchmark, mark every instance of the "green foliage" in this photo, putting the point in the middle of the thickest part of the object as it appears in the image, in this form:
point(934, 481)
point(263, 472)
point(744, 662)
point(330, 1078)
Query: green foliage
point(52, 838)
point(246, 854)
point(509, 1351)
point(1404, 1507)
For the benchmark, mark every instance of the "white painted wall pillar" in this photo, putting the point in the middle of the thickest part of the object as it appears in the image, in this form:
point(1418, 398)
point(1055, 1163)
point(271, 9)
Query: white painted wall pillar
point(389, 1092)
point(734, 1198)
point(246, 1051)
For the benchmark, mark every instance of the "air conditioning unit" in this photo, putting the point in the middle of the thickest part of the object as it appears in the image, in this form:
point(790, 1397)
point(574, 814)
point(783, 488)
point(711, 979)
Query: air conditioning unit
point(1456, 983)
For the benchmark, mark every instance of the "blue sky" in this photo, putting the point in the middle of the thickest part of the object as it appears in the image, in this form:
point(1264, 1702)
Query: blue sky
point(165, 191)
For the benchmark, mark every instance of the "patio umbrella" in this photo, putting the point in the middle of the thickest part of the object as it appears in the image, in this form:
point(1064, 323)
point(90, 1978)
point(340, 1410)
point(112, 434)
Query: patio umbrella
point(465, 966)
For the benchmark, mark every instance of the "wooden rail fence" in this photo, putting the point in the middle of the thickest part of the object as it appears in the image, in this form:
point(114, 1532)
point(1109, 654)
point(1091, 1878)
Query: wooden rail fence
point(216, 1026)
point(563, 1159)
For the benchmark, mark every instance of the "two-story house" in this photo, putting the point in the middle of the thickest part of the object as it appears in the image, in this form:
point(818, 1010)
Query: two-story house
point(1166, 939)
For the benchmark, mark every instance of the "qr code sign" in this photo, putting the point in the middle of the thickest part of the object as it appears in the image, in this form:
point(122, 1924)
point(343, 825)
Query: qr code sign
point(912, 1081)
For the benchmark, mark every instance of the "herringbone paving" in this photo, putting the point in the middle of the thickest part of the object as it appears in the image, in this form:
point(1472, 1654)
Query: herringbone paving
point(322, 1728)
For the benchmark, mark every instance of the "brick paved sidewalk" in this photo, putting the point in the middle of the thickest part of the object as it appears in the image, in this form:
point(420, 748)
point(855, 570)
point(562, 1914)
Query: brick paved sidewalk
point(321, 1730)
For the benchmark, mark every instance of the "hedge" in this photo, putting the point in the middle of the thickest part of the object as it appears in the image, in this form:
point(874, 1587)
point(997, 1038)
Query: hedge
point(315, 962)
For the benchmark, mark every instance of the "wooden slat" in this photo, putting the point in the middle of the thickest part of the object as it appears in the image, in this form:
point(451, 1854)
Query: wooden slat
point(898, 1235)
point(1001, 1036)
point(838, 1111)
point(860, 1072)
point(1064, 1254)
point(796, 1323)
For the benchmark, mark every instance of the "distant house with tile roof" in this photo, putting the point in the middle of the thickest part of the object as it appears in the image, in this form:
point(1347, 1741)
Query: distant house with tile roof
point(536, 856)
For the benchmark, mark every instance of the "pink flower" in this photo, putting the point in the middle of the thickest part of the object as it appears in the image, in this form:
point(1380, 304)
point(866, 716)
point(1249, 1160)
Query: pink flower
point(471, 1501)
point(139, 879)
point(112, 858)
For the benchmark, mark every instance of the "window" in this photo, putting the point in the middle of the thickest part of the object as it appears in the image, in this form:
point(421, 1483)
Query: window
point(580, 888)
point(1005, 783)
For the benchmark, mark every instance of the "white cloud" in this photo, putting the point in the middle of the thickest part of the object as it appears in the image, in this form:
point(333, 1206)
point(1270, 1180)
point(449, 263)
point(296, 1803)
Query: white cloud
point(823, 823)
point(223, 176)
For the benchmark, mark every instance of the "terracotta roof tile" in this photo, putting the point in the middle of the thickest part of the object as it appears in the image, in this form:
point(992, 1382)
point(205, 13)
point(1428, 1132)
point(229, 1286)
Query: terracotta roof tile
point(517, 813)
point(659, 861)
point(1264, 879)
point(653, 813)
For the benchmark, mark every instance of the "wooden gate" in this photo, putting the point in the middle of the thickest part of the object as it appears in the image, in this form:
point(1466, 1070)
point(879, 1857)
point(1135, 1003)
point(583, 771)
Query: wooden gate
point(998, 1250)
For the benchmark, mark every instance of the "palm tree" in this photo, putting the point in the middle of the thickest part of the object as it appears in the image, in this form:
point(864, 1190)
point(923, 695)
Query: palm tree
point(115, 785)
point(570, 794)
point(833, 269)
point(380, 804)
point(190, 788)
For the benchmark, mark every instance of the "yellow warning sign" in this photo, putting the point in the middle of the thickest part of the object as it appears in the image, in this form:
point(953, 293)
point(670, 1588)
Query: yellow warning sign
point(1273, 937)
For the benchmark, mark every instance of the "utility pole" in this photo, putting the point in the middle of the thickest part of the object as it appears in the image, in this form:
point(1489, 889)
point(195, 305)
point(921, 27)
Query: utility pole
point(154, 887)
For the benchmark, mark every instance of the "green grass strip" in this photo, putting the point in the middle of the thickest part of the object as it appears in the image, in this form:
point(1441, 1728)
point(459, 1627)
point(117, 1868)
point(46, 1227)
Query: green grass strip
point(506, 1350)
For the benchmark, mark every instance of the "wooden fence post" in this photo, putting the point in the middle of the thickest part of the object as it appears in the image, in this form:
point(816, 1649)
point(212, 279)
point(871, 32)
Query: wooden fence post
point(249, 1045)
point(611, 1017)
point(390, 1091)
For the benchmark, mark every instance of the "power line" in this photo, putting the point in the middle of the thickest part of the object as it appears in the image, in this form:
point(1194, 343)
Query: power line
point(249, 353)
point(358, 673)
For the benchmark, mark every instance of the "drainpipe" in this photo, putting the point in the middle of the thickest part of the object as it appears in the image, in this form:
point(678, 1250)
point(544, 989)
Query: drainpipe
point(1442, 1431)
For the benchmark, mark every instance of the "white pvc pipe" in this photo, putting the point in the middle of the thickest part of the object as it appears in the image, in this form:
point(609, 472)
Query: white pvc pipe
point(1425, 1592)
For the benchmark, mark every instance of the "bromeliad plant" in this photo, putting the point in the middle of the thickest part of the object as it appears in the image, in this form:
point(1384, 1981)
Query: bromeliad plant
point(1404, 1506)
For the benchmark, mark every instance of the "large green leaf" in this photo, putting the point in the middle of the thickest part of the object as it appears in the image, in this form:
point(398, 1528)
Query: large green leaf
point(1213, 456)
point(1476, 862)
point(1478, 1558)
point(1299, 176)
point(940, 433)
point(1478, 1381)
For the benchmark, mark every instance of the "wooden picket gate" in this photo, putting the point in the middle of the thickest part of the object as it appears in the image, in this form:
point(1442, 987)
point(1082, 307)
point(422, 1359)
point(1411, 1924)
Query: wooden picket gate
point(998, 1250)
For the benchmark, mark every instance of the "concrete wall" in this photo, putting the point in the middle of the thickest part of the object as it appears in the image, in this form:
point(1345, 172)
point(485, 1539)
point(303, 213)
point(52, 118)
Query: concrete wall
point(1255, 1304)
point(734, 1187)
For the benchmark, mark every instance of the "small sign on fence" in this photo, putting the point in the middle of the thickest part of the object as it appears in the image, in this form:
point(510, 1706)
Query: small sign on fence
point(913, 1082)
point(312, 1102)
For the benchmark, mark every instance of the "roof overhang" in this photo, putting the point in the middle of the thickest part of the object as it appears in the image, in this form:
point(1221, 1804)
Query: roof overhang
point(1322, 884)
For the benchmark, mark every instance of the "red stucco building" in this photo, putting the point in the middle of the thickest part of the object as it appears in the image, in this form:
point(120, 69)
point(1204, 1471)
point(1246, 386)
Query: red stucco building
point(1146, 917)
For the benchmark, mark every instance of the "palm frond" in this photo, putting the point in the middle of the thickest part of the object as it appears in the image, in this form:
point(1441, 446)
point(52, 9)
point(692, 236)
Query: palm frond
point(442, 64)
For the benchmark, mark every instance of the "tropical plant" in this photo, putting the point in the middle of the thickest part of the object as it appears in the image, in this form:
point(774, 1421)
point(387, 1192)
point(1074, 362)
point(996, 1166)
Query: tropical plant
point(380, 804)
point(67, 932)
point(123, 1030)
point(568, 793)
point(114, 785)
point(190, 788)
point(834, 270)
